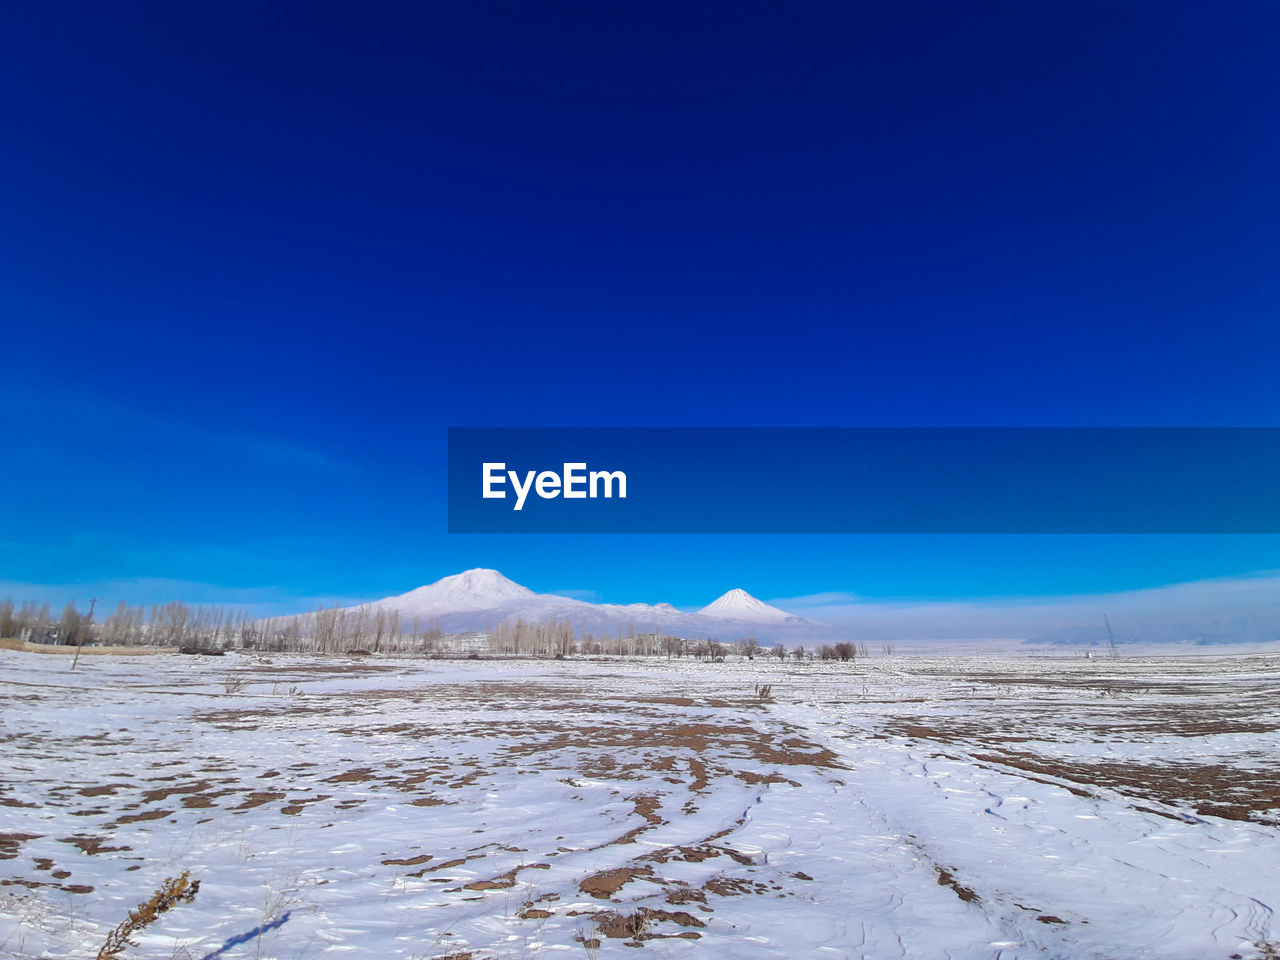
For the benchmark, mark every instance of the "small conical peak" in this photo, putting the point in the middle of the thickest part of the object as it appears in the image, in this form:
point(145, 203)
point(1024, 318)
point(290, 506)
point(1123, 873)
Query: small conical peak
point(736, 597)
point(737, 604)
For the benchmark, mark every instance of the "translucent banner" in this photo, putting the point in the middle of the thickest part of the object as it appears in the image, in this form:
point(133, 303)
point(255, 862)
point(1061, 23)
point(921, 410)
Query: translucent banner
point(864, 480)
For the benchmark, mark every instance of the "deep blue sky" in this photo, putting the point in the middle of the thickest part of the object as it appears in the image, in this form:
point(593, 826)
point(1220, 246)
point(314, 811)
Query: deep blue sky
point(257, 258)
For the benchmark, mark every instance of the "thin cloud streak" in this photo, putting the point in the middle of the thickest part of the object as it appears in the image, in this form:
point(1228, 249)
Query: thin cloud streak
point(99, 419)
point(259, 601)
point(1243, 609)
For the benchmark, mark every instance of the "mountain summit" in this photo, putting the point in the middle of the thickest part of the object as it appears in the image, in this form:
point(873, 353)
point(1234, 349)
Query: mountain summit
point(478, 589)
point(737, 604)
point(480, 599)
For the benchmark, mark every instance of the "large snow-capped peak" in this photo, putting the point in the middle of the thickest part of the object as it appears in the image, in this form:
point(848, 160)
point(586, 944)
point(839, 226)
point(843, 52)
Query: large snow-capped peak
point(737, 604)
point(480, 599)
point(478, 589)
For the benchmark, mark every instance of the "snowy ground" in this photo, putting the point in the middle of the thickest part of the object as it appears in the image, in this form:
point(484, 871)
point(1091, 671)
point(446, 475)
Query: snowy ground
point(898, 807)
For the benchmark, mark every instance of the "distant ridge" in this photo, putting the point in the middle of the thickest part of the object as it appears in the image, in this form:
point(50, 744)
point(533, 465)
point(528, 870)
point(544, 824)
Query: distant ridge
point(737, 604)
point(482, 598)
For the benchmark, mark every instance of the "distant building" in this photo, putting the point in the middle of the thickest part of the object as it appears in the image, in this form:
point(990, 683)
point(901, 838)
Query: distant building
point(477, 642)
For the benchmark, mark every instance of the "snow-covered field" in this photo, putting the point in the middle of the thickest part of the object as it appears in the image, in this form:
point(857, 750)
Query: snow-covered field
point(896, 807)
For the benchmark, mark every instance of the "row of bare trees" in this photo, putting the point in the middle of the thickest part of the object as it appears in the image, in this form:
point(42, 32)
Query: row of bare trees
point(559, 638)
point(371, 629)
point(368, 629)
point(172, 624)
point(28, 621)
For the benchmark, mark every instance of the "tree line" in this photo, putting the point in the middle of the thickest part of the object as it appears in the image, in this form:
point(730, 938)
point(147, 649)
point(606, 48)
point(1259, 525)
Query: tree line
point(368, 629)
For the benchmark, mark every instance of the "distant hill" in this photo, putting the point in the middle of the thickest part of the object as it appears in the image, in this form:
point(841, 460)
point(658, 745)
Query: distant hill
point(481, 598)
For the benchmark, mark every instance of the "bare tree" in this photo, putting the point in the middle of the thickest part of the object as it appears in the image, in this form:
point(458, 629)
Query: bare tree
point(71, 626)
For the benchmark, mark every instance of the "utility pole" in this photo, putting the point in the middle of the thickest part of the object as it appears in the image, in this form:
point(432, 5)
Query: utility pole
point(1111, 640)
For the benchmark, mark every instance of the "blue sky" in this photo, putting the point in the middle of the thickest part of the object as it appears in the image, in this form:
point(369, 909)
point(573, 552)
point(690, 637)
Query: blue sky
point(258, 260)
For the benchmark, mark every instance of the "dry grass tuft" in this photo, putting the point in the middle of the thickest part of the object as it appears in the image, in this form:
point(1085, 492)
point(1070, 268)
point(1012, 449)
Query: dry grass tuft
point(171, 893)
point(234, 684)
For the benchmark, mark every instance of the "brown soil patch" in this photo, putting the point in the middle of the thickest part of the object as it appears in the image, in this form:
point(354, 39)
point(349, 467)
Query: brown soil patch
point(636, 926)
point(29, 884)
point(682, 895)
point(947, 879)
point(500, 882)
point(647, 807)
point(697, 738)
point(796, 753)
point(618, 926)
point(164, 793)
point(503, 881)
point(408, 861)
point(11, 843)
point(258, 798)
point(699, 771)
point(92, 845)
point(103, 791)
point(350, 666)
point(678, 917)
point(145, 815)
point(733, 886)
point(1216, 790)
point(1102, 710)
point(297, 804)
point(604, 885)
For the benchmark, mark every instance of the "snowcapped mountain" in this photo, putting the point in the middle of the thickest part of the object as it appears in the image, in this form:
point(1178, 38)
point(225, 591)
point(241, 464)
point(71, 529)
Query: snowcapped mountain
point(478, 589)
point(737, 604)
point(480, 599)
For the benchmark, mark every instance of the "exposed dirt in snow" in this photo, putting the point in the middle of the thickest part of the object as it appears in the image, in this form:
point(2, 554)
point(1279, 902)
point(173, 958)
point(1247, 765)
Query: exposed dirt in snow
point(897, 807)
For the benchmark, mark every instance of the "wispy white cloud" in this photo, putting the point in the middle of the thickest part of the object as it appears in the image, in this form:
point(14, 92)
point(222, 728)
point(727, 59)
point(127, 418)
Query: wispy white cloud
point(1208, 611)
point(259, 601)
point(814, 600)
point(590, 596)
point(97, 421)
